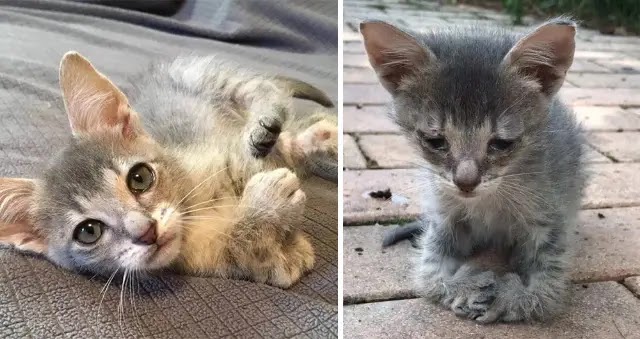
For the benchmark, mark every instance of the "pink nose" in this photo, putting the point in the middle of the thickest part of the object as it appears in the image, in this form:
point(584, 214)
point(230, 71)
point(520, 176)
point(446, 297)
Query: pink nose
point(150, 235)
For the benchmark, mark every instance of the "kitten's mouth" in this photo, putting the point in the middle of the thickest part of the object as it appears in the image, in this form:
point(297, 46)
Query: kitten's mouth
point(164, 253)
point(464, 194)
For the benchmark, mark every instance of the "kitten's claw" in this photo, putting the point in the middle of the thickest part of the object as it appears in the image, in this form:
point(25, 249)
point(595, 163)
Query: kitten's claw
point(278, 191)
point(264, 135)
point(474, 300)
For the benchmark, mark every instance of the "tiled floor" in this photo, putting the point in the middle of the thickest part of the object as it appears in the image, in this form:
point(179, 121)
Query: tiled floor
point(603, 86)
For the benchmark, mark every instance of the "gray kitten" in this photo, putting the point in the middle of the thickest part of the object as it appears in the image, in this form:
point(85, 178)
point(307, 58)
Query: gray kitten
point(196, 170)
point(502, 169)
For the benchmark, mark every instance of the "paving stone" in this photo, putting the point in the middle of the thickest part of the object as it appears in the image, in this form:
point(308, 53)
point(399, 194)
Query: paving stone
point(620, 146)
point(606, 244)
point(580, 54)
point(582, 65)
point(355, 94)
point(372, 273)
point(389, 150)
point(359, 75)
point(368, 119)
point(633, 284)
point(575, 96)
point(606, 118)
point(612, 185)
point(353, 47)
point(351, 36)
point(585, 80)
point(356, 60)
point(601, 310)
point(360, 208)
point(608, 46)
point(621, 65)
point(352, 156)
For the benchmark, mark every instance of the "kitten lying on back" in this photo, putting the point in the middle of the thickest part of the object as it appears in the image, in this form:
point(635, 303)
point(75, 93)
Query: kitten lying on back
point(193, 173)
point(502, 166)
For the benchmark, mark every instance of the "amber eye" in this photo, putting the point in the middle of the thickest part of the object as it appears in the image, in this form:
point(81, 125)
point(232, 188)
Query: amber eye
point(88, 231)
point(500, 145)
point(140, 178)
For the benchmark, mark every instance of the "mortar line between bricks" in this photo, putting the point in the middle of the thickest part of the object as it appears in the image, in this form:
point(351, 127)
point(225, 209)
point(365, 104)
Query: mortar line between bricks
point(371, 163)
point(361, 301)
point(621, 282)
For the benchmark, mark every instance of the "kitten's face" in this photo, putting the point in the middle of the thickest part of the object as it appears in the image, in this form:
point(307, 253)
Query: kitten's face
point(109, 203)
point(471, 138)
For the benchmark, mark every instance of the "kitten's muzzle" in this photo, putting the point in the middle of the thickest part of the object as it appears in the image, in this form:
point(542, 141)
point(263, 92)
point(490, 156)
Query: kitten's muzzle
point(467, 176)
point(150, 236)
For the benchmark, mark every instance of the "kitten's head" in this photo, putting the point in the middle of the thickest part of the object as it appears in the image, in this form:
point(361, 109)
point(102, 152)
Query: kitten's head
point(110, 200)
point(473, 101)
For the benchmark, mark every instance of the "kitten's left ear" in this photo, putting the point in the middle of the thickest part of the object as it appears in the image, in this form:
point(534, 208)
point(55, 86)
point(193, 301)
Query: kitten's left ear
point(93, 103)
point(16, 228)
point(545, 55)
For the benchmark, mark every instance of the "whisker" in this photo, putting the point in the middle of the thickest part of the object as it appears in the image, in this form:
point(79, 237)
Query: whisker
point(200, 184)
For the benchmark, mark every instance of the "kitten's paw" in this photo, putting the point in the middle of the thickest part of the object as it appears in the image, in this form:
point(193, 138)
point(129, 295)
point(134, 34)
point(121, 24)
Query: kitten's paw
point(320, 137)
point(298, 258)
point(263, 135)
point(277, 191)
point(475, 298)
point(511, 302)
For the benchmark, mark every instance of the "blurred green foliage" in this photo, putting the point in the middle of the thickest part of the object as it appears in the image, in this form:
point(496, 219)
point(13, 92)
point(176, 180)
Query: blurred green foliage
point(605, 15)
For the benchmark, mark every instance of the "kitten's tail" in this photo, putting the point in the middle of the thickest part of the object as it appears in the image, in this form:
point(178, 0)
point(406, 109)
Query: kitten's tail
point(303, 90)
point(410, 231)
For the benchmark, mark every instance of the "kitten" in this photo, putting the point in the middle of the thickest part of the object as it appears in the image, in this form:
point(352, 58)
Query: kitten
point(193, 172)
point(502, 161)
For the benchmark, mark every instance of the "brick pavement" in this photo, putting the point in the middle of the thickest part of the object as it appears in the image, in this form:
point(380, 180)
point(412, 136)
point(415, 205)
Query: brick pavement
point(603, 86)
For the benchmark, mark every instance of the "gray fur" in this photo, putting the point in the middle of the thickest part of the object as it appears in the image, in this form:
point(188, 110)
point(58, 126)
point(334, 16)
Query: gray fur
point(528, 198)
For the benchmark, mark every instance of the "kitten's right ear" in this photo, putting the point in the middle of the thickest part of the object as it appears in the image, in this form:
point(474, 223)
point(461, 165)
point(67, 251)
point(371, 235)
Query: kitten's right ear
point(16, 203)
point(93, 103)
point(393, 54)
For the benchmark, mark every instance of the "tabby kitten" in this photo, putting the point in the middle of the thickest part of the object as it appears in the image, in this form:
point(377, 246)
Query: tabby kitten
point(502, 161)
point(194, 173)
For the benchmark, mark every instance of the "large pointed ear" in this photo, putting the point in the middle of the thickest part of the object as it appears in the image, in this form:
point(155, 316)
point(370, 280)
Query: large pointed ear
point(93, 103)
point(545, 55)
point(393, 54)
point(16, 228)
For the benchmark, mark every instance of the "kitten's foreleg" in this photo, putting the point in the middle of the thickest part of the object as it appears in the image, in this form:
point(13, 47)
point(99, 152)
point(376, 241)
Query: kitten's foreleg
point(539, 288)
point(444, 277)
point(265, 243)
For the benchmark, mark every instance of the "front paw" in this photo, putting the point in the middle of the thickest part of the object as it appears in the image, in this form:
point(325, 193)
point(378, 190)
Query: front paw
point(475, 298)
point(276, 192)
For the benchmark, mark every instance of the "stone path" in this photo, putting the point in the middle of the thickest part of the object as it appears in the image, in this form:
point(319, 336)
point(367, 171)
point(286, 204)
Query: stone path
point(603, 87)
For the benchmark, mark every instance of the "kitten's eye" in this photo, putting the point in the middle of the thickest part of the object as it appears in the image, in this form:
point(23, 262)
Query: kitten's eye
point(140, 178)
point(88, 231)
point(439, 144)
point(500, 145)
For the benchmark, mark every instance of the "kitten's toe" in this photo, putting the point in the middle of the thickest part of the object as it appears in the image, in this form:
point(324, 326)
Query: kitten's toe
point(264, 136)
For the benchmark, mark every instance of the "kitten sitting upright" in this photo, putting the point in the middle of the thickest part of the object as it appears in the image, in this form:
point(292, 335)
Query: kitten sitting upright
point(502, 161)
point(200, 181)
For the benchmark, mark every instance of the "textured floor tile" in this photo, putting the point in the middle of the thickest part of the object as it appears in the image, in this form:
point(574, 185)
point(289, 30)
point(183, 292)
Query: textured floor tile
point(586, 80)
point(601, 310)
point(585, 96)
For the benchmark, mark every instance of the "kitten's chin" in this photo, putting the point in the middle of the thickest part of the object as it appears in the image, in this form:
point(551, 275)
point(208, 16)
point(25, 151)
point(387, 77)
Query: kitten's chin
point(165, 253)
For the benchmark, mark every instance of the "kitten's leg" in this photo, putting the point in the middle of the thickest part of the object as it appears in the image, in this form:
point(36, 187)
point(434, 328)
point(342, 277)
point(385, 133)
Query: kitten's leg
point(444, 277)
point(539, 288)
point(321, 136)
point(265, 244)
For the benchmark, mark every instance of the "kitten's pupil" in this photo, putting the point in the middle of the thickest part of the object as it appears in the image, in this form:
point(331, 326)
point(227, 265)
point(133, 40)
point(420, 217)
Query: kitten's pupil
point(140, 178)
point(436, 143)
point(500, 144)
point(88, 231)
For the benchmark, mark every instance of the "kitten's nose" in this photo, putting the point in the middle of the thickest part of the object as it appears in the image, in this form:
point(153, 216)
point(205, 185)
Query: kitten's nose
point(467, 176)
point(150, 235)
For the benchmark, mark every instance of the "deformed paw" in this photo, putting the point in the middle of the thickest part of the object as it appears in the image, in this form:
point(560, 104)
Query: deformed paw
point(264, 136)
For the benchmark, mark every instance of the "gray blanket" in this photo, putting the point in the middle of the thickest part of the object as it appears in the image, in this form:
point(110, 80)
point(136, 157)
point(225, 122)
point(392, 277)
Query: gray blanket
point(296, 38)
